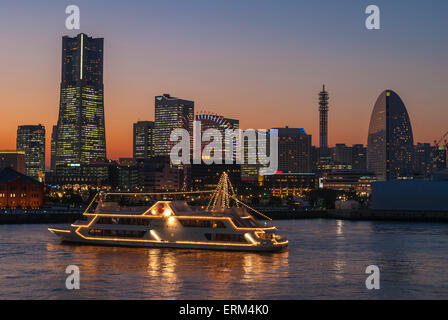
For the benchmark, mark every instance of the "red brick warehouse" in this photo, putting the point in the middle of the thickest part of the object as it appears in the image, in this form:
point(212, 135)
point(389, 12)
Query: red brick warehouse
point(19, 191)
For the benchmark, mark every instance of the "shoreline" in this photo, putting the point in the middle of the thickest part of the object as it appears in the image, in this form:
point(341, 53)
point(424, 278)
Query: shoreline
point(365, 215)
point(356, 215)
point(38, 218)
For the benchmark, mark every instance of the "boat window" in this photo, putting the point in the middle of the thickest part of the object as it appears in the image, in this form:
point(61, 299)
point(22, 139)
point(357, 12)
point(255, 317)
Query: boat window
point(197, 223)
point(229, 237)
point(124, 221)
point(117, 233)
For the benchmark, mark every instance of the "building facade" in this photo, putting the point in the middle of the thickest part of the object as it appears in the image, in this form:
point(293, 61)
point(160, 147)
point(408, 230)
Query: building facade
point(31, 140)
point(289, 184)
point(390, 145)
point(294, 150)
point(143, 138)
point(358, 181)
point(171, 113)
point(159, 175)
point(54, 136)
point(80, 130)
point(359, 157)
point(428, 159)
point(18, 191)
point(342, 154)
point(13, 159)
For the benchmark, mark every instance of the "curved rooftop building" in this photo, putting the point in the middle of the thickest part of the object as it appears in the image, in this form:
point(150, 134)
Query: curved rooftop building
point(390, 141)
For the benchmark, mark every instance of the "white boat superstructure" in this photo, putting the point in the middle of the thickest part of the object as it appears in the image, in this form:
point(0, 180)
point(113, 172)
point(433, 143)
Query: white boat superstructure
point(172, 224)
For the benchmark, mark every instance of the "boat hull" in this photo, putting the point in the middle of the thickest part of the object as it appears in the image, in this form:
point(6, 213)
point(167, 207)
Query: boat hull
point(70, 236)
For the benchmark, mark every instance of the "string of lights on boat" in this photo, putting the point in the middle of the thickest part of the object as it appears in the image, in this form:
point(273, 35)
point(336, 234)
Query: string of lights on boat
point(221, 197)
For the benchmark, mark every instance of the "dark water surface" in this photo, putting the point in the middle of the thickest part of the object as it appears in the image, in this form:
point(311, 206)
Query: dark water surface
point(326, 260)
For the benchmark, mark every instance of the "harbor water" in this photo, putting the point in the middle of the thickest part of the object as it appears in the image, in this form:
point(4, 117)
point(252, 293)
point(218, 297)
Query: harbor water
point(327, 259)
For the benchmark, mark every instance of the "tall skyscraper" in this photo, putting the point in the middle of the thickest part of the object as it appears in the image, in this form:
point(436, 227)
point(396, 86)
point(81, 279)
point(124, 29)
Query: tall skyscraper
point(390, 143)
point(294, 150)
point(54, 136)
point(323, 118)
point(80, 129)
point(171, 113)
point(31, 140)
point(143, 140)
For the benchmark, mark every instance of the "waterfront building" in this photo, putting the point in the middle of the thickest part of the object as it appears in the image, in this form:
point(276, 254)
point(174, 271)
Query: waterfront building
point(406, 196)
point(289, 184)
point(171, 113)
point(81, 127)
point(390, 141)
point(31, 140)
point(143, 140)
point(13, 159)
point(19, 191)
point(359, 181)
point(95, 174)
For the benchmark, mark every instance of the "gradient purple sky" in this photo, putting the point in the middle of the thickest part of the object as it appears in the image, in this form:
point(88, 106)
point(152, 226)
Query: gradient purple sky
point(262, 62)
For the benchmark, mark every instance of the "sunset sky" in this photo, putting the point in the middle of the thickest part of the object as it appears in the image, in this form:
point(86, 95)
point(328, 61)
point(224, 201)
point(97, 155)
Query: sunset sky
point(259, 61)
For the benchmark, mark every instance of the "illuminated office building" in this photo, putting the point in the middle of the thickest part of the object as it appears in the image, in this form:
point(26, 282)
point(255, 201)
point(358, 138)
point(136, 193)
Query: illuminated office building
point(171, 113)
point(294, 150)
point(31, 140)
point(390, 141)
point(250, 144)
point(54, 136)
point(143, 140)
point(80, 129)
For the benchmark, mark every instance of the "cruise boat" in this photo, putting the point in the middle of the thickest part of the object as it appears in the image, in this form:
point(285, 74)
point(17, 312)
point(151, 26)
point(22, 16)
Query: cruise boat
point(173, 224)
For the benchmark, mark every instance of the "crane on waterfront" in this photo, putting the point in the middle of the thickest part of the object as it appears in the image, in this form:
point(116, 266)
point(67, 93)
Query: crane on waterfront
point(445, 142)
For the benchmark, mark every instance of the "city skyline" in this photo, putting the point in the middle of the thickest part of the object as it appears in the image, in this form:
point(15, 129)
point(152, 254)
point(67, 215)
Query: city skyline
point(130, 87)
